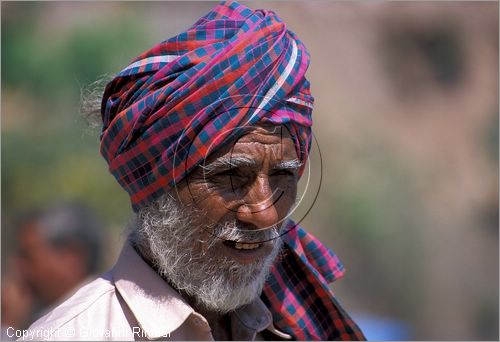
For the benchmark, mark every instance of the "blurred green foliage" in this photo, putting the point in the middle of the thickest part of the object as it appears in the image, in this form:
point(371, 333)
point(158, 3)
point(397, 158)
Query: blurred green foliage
point(55, 157)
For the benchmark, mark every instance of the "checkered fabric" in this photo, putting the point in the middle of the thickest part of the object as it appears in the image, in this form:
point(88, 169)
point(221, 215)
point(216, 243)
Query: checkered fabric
point(189, 95)
point(298, 294)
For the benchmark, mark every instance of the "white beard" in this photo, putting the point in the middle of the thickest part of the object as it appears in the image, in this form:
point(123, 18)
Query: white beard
point(165, 234)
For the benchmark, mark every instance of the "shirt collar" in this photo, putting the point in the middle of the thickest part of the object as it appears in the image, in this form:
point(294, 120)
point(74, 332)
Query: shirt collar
point(160, 310)
point(249, 320)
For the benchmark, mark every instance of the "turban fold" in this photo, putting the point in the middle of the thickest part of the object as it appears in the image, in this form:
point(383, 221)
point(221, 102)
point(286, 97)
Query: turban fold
point(232, 69)
point(189, 95)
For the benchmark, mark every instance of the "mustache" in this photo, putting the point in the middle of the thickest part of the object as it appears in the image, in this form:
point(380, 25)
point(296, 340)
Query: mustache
point(238, 232)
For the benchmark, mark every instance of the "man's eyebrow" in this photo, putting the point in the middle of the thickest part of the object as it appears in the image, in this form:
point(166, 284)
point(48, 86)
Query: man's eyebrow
point(288, 164)
point(228, 163)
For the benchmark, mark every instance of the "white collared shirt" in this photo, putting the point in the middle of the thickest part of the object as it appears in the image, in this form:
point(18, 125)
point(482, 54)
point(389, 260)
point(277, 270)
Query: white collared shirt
point(132, 302)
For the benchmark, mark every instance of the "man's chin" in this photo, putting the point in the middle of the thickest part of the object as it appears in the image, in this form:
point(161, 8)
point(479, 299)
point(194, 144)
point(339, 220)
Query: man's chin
point(236, 293)
point(241, 280)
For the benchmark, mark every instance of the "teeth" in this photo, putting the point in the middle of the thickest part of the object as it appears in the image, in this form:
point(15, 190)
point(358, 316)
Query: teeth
point(239, 245)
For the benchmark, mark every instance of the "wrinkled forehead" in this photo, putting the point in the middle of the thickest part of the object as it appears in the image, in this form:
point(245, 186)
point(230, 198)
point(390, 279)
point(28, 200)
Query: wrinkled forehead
point(260, 138)
point(264, 132)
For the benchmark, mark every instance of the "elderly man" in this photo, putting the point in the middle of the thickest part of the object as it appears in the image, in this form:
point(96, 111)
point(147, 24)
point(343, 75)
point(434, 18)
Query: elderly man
point(209, 132)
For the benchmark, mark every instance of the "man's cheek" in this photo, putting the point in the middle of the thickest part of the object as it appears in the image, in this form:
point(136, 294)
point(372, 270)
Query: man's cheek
point(286, 201)
point(192, 193)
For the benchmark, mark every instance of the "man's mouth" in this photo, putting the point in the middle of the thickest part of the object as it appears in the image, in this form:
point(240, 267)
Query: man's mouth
point(242, 245)
point(246, 252)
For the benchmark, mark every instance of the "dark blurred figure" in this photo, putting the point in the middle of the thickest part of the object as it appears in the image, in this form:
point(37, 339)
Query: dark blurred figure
point(59, 248)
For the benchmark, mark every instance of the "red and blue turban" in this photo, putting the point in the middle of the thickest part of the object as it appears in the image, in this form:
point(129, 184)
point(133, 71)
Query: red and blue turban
point(233, 68)
point(189, 95)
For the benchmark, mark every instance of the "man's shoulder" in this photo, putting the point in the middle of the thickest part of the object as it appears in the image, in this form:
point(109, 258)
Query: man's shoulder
point(87, 304)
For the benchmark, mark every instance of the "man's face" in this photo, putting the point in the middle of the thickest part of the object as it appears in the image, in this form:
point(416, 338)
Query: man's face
point(252, 182)
point(217, 236)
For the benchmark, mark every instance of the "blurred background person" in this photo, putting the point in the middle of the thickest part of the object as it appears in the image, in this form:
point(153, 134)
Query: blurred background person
point(17, 299)
point(58, 248)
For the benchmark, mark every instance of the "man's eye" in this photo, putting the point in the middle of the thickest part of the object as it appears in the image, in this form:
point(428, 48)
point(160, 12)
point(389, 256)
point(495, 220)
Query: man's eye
point(283, 173)
point(226, 173)
point(231, 178)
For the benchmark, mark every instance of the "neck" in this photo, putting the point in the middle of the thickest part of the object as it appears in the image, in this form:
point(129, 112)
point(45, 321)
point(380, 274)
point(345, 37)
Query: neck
point(218, 322)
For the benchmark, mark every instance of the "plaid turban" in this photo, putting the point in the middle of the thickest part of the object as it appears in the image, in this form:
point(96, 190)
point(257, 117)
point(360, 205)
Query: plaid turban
point(232, 69)
point(189, 95)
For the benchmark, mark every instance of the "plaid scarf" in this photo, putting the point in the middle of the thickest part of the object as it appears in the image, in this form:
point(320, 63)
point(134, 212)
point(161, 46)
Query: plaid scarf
point(298, 294)
point(189, 95)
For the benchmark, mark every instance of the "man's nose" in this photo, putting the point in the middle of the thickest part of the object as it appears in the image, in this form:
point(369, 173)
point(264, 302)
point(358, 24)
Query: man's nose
point(259, 207)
